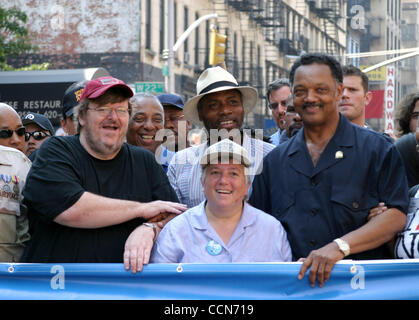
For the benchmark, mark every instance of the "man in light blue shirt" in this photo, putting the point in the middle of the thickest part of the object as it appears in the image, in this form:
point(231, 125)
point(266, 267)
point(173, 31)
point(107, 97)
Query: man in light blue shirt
point(277, 94)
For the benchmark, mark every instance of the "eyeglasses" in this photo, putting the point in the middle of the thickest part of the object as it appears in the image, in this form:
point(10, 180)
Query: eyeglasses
point(104, 111)
point(275, 105)
point(7, 133)
point(414, 115)
point(37, 135)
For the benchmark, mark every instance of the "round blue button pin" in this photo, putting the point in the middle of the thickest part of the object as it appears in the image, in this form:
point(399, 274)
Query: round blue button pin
point(214, 248)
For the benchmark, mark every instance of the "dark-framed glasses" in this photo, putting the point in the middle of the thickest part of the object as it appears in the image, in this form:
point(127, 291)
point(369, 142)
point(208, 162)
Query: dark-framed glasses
point(7, 133)
point(37, 135)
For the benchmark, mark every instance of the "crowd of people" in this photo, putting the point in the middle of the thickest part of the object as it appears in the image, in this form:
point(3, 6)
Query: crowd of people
point(124, 184)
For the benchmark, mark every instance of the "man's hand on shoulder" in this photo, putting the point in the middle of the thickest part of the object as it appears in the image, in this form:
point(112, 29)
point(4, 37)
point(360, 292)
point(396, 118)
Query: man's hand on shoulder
point(162, 218)
point(152, 209)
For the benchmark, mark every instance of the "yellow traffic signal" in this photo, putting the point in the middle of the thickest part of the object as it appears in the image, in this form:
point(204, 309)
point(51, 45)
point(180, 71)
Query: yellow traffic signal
point(217, 48)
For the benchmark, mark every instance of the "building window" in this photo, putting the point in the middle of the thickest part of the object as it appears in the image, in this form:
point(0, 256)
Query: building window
point(197, 41)
point(251, 71)
point(162, 24)
point(243, 58)
point(410, 32)
point(259, 69)
point(207, 35)
point(175, 21)
point(148, 25)
point(185, 26)
point(235, 61)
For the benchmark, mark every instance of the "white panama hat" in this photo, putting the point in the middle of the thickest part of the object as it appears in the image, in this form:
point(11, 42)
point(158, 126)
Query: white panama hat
point(214, 80)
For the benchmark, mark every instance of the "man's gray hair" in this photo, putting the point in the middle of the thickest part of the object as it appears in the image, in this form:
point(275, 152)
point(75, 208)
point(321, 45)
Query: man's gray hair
point(136, 98)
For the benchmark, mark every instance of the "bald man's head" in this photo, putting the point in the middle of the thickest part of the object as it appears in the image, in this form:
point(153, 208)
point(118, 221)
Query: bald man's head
point(12, 131)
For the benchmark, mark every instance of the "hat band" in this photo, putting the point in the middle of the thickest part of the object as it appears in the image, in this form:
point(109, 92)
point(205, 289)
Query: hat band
point(217, 85)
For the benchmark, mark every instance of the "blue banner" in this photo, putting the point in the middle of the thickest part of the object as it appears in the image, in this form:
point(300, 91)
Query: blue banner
point(355, 280)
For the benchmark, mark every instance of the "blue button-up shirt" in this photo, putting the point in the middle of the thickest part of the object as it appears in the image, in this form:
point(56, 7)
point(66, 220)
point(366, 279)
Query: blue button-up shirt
point(276, 137)
point(316, 204)
point(258, 237)
point(165, 156)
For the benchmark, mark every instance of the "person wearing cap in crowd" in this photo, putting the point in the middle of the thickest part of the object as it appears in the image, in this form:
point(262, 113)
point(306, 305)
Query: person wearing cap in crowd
point(174, 120)
point(220, 106)
point(277, 93)
point(14, 168)
point(87, 192)
point(146, 124)
point(71, 99)
point(223, 228)
point(12, 132)
point(38, 130)
point(322, 183)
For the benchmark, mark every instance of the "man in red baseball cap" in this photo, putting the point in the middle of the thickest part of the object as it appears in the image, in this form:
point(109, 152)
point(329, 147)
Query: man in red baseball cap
point(89, 191)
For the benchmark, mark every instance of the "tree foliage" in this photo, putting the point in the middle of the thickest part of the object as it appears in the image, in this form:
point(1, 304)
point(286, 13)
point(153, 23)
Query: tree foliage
point(14, 36)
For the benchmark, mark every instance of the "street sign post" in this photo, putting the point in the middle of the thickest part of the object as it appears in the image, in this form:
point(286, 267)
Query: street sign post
point(151, 87)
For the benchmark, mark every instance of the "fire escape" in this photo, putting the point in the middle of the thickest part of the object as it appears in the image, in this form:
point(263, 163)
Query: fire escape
point(329, 13)
point(267, 15)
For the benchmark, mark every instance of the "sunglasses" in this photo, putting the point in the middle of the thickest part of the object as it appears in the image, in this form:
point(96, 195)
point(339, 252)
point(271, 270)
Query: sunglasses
point(37, 135)
point(7, 133)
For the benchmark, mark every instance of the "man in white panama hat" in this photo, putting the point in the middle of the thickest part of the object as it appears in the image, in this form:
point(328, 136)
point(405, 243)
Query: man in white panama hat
point(219, 106)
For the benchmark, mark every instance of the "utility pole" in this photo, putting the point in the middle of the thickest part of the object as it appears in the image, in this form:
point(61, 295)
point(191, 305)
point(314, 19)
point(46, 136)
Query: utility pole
point(169, 53)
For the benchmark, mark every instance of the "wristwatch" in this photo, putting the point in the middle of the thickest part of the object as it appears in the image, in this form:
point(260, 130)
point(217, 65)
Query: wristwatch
point(343, 246)
point(153, 226)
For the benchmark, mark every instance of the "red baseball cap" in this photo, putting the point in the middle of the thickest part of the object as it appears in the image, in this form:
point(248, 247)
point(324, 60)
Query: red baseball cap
point(97, 87)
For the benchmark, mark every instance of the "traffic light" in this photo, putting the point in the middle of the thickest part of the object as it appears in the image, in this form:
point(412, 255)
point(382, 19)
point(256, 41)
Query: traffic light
point(217, 48)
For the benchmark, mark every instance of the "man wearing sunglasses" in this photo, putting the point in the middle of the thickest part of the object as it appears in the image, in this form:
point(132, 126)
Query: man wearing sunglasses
point(12, 132)
point(38, 130)
point(14, 167)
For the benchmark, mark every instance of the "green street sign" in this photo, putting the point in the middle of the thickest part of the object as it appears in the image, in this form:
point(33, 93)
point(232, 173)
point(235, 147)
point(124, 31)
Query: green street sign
point(165, 70)
point(153, 87)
